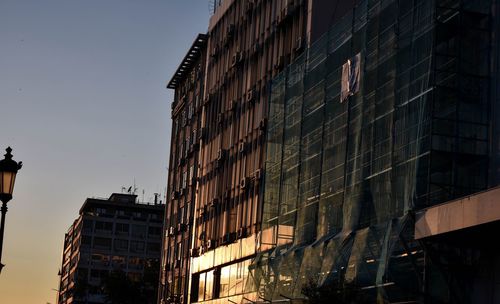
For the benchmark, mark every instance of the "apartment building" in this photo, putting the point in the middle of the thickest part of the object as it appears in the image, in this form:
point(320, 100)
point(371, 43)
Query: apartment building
point(116, 234)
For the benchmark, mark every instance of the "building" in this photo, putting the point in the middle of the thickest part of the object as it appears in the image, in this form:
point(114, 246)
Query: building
point(218, 117)
point(188, 83)
point(361, 161)
point(117, 234)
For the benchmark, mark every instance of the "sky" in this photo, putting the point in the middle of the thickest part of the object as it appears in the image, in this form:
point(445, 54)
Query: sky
point(83, 104)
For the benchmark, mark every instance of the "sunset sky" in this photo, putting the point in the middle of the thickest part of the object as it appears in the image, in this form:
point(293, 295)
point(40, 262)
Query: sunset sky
point(83, 104)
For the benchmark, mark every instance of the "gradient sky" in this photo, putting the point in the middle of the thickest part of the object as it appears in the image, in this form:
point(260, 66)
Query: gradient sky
point(83, 104)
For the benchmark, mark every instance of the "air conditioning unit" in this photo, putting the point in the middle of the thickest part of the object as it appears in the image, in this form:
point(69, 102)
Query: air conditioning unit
point(279, 20)
point(202, 133)
point(196, 146)
point(255, 48)
point(251, 95)
point(244, 183)
point(215, 50)
point(220, 154)
point(228, 238)
point(206, 100)
point(225, 79)
point(211, 244)
point(242, 147)
point(299, 44)
point(214, 202)
point(177, 263)
point(233, 105)
point(193, 252)
point(171, 231)
point(257, 174)
point(203, 210)
point(288, 10)
point(181, 227)
point(262, 124)
point(242, 232)
point(249, 6)
point(280, 63)
point(237, 58)
point(230, 31)
point(175, 195)
point(227, 194)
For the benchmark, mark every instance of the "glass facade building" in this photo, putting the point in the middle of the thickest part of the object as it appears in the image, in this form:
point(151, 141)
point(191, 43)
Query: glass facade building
point(344, 177)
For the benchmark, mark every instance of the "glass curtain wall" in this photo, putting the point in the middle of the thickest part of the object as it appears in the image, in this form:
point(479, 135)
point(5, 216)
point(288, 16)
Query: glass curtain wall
point(343, 178)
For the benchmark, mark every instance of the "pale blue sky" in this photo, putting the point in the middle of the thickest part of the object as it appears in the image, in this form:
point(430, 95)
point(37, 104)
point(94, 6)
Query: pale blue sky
point(83, 104)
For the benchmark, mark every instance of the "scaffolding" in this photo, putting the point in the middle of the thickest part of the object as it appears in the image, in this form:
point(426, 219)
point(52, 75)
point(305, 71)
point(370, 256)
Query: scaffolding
point(343, 179)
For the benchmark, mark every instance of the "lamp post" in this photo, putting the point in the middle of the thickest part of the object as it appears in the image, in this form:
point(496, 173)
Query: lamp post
point(8, 171)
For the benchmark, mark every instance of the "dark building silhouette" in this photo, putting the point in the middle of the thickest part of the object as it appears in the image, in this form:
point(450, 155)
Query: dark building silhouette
point(114, 234)
point(348, 147)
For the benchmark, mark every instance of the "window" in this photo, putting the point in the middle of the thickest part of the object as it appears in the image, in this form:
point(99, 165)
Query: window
point(86, 240)
point(121, 245)
point(118, 261)
point(102, 243)
point(121, 228)
point(100, 259)
point(98, 274)
point(134, 276)
point(137, 246)
point(206, 286)
point(154, 231)
point(87, 225)
point(139, 231)
point(135, 263)
point(209, 285)
point(103, 226)
point(201, 287)
point(153, 247)
point(100, 210)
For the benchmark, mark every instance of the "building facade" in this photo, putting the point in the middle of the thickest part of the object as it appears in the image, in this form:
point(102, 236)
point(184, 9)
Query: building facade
point(187, 132)
point(248, 42)
point(340, 134)
point(117, 234)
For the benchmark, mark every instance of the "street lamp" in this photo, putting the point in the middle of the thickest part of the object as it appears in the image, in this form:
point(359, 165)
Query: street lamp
point(8, 171)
